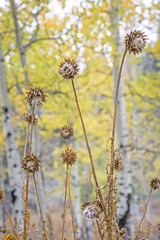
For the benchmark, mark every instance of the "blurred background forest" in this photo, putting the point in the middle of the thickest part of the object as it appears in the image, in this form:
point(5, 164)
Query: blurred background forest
point(35, 36)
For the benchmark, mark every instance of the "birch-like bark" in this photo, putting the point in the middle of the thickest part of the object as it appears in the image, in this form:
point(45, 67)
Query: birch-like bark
point(36, 137)
point(138, 167)
point(2, 219)
point(77, 203)
point(12, 152)
point(88, 233)
point(124, 176)
point(19, 42)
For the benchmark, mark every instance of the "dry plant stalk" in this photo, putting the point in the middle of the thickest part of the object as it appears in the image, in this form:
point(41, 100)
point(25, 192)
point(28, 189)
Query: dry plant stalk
point(27, 181)
point(69, 157)
point(10, 219)
point(154, 184)
point(35, 97)
point(40, 209)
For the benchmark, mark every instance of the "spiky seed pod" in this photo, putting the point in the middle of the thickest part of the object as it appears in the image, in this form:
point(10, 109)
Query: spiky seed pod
point(135, 41)
point(122, 232)
point(68, 69)
point(69, 157)
point(1, 194)
point(28, 118)
point(118, 164)
point(155, 183)
point(36, 96)
point(66, 132)
point(91, 211)
point(31, 163)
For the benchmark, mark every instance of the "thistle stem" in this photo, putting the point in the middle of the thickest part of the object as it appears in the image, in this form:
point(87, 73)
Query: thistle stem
point(99, 230)
point(110, 208)
point(89, 151)
point(23, 187)
point(40, 209)
point(27, 183)
point(26, 206)
point(30, 146)
point(115, 110)
point(144, 214)
point(64, 211)
point(71, 208)
point(14, 230)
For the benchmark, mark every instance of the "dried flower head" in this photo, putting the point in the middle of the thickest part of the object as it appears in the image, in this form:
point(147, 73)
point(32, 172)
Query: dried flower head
point(69, 157)
point(31, 163)
point(122, 232)
point(91, 211)
point(1, 194)
point(68, 69)
point(118, 164)
point(97, 203)
point(135, 41)
point(66, 132)
point(36, 96)
point(28, 118)
point(155, 183)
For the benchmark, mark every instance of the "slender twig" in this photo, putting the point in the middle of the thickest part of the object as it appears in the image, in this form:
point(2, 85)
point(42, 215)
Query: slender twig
point(26, 206)
point(115, 110)
point(99, 230)
point(144, 214)
point(27, 181)
point(40, 209)
point(24, 154)
point(64, 210)
point(89, 152)
point(71, 208)
point(30, 146)
point(110, 206)
point(14, 230)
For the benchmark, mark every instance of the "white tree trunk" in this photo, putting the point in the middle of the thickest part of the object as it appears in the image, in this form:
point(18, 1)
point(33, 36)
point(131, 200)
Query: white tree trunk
point(2, 220)
point(124, 176)
point(88, 233)
point(36, 136)
point(138, 166)
point(77, 200)
point(20, 46)
point(13, 155)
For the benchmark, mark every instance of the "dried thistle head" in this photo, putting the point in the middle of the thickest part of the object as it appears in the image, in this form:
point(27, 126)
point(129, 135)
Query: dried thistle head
point(66, 132)
point(118, 164)
point(135, 41)
point(122, 232)
point(97, 203)
point(91, 211)
point(36, 96)
point(155, 183)
point(68, 69)
point(1, 194)
point(69, 157)
point(31, 163)
point(28, 118)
